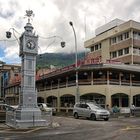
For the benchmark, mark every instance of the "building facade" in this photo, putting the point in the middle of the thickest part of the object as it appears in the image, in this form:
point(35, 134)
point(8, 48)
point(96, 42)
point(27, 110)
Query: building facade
point(120, 42)
point(110, 73)
point(10, 77)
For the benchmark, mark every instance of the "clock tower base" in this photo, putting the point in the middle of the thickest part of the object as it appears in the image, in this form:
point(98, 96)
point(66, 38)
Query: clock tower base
point(29, 117)
point(26, 118)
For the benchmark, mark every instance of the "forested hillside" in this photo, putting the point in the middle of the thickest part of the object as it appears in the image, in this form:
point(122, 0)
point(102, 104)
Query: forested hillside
point(57, 59)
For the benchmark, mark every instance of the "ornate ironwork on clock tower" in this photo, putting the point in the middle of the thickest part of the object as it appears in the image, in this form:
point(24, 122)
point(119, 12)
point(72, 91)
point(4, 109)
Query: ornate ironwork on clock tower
point(28, 110)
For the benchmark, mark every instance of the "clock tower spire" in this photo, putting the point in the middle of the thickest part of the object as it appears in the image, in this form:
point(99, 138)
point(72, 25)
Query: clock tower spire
point(28, 40)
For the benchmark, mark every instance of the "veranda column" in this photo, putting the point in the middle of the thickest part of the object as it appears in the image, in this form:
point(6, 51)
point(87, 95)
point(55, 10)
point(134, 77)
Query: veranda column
point(108, 95)
point(107, 77)
point(92, 78)
point(58, 97)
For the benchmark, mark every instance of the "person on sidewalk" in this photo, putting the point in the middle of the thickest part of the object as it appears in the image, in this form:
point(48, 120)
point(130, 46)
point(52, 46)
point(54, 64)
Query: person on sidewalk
point(132, 109)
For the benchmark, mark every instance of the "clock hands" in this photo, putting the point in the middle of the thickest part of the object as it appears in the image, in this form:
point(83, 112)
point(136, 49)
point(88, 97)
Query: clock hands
point(30, 45)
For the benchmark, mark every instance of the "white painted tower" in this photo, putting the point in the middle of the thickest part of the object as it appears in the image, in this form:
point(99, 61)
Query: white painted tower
point(28, 114)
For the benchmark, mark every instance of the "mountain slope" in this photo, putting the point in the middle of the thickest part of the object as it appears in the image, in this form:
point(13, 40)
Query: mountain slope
point(57, 59)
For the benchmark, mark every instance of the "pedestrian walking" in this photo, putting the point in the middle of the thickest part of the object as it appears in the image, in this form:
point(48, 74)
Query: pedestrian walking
point(132, 109)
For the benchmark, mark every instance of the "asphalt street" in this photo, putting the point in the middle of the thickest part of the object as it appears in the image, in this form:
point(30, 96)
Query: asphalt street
point(68, 128)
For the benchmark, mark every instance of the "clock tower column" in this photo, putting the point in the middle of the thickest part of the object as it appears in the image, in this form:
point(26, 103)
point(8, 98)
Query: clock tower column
point(28, 114)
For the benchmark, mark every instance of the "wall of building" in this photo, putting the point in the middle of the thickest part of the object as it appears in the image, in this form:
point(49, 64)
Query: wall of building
point(106, 90)
point(105, 53)
point(112, 32)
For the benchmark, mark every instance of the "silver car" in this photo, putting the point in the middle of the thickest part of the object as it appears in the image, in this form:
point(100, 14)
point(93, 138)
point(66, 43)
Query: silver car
point(90, 110)
point(47, 107)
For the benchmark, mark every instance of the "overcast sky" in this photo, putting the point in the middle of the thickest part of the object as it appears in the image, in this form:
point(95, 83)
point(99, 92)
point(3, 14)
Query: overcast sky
point(52, 19)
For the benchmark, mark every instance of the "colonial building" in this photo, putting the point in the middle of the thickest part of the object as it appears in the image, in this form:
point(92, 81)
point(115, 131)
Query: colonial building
point(110, 73)
point(9, 82)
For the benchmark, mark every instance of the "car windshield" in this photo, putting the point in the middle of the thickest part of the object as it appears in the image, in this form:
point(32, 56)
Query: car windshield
point(95, 106)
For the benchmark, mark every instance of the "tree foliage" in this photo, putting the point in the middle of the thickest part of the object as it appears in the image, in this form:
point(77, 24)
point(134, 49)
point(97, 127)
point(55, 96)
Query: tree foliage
point(57, 59)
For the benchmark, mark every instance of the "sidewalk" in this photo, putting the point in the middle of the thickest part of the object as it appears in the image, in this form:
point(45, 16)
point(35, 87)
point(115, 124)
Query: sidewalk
point(7, 129)
point(3, 125)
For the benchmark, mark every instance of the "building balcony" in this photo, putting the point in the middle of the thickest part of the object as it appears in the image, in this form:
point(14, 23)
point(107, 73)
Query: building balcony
point(101, 81)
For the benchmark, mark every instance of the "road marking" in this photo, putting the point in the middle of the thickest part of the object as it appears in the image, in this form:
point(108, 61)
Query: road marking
point(131, 128)
point(21, 131)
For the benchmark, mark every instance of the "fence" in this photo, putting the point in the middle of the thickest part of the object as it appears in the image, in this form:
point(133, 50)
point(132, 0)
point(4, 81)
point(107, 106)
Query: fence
point(10, 118)
point(13, 116)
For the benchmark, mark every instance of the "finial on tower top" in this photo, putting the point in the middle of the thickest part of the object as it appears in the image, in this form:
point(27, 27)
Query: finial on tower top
point(29, 14)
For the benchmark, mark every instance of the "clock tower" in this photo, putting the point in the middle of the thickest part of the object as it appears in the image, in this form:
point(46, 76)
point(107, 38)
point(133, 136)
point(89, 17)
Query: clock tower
point(28, 114)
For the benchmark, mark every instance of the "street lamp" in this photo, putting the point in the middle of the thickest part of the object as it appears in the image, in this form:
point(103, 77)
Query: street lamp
point(77, 99)
point(9, 34)
point(62, 43)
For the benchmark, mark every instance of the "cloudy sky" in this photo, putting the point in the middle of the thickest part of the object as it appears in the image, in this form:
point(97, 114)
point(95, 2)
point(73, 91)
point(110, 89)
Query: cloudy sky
point(52, 19)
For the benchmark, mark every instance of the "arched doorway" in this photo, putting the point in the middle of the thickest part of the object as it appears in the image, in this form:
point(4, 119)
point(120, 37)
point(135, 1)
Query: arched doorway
point(67, 100)
point(40, 100)
point(120, 99)
point(52, 100)
point(136, 100)
point(97, 97)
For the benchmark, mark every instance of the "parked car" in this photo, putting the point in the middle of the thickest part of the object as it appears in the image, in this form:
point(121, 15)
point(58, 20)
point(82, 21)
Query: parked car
point(6, 107)
point(90, 110)
point(3, 109)
point(47, 107)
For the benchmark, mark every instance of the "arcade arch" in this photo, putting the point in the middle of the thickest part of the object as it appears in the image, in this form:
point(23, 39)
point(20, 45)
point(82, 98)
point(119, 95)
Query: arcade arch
point(67, 100)
point(136, 100)
point(52, 100)
point(40, 99)
point(120, 99)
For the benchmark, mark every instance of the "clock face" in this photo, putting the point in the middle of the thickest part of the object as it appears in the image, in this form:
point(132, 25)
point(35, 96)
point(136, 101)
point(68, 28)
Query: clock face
point(30, 44)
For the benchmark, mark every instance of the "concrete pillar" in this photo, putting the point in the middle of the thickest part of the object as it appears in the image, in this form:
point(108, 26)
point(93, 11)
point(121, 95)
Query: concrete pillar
point(51, 84)
point(107, 77)
point(58, 103)
point(130, 96)
point(67, 81)
point(120, 78)
point(58, 85)
point(45, 99)
point(108, 96)
point(92, 78)
point(130, 79)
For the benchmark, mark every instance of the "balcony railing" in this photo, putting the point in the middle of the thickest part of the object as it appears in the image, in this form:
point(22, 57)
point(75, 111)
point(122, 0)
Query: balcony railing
point(99, 81)
point(114, 82)
point(88, 82)
point(136, 83)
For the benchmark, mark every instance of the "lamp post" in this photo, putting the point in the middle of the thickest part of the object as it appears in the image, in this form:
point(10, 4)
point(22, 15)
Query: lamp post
point(77, 99)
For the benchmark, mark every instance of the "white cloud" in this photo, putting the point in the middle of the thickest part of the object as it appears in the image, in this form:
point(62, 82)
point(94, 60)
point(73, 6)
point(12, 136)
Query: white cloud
point(52, 18)
point(12, 54)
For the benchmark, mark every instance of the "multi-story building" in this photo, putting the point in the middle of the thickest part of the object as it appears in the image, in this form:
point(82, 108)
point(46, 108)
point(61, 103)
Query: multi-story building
point(110, 73)
point(9, 80)
point(117, 40)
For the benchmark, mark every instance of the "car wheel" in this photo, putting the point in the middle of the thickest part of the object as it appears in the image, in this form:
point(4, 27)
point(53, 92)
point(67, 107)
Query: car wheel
point(93, 117)
point(76, 115)
point(106, 119)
